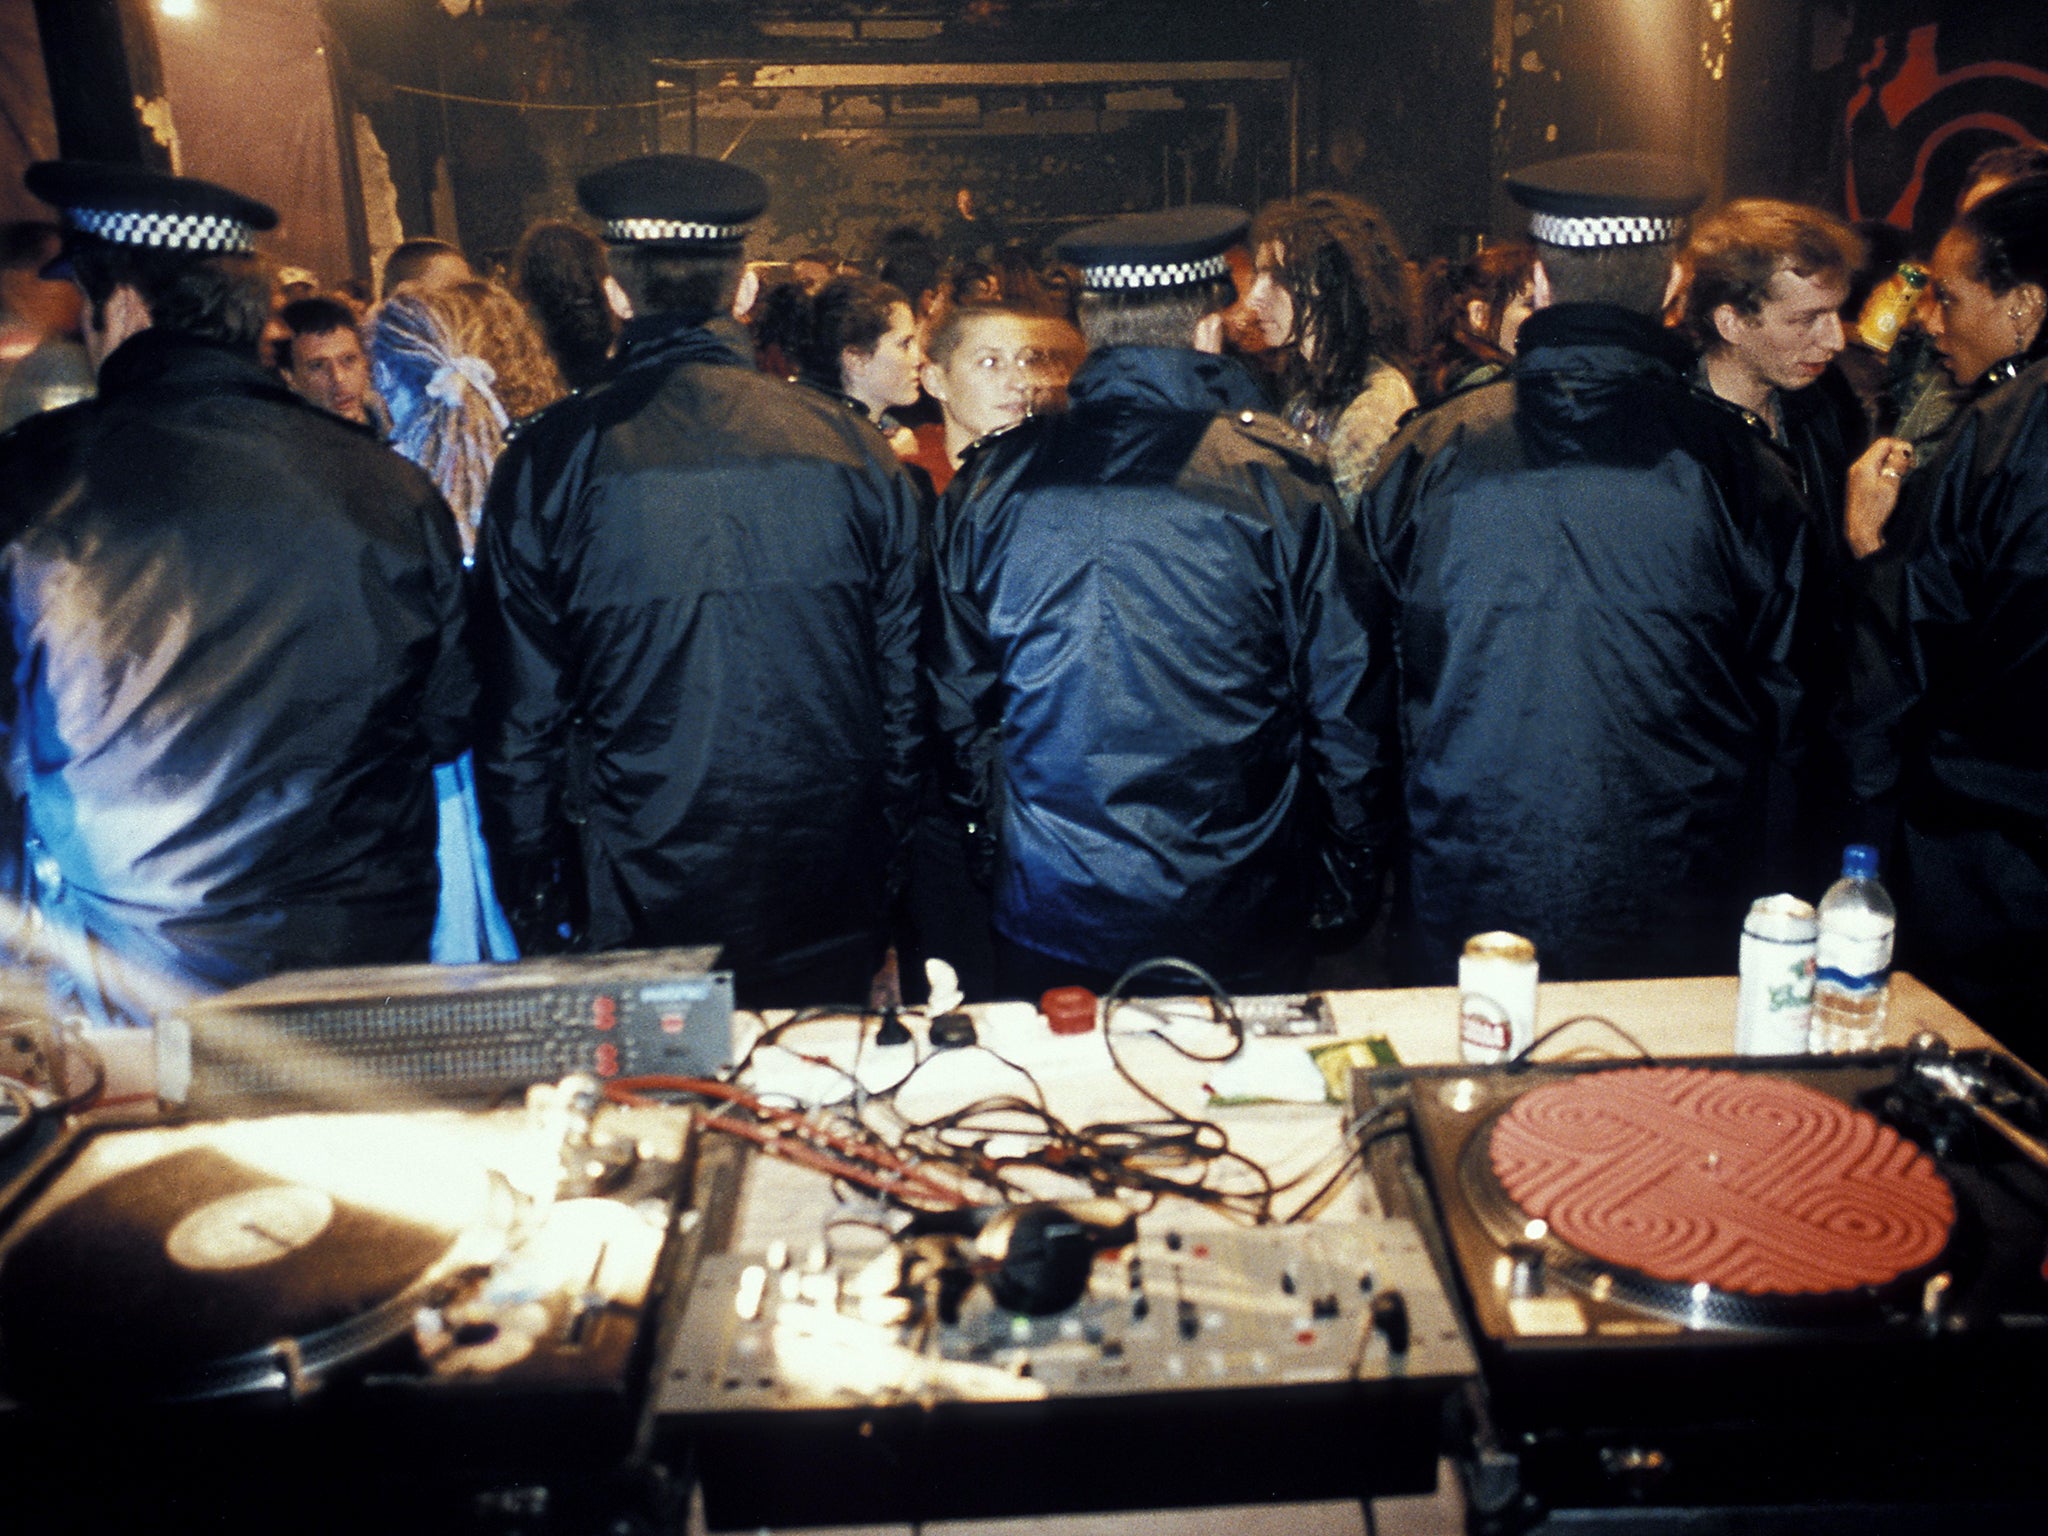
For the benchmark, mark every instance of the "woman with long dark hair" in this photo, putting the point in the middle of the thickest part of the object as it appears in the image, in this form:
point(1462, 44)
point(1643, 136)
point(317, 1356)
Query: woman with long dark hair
point(1331, 289)
point(1949, 712)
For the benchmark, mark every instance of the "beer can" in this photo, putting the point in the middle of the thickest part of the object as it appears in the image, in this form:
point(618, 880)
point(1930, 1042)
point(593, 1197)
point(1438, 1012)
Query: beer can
point(1775, 994)
point(1496, 997)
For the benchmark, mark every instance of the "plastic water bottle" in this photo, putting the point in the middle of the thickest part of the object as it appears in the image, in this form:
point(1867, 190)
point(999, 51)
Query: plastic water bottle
point(1852, 974)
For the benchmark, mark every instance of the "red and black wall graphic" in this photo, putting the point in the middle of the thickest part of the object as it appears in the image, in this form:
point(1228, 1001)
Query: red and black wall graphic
point(1930, 98)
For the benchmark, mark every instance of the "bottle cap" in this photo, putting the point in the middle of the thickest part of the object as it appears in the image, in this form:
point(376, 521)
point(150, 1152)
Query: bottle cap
point(1068, 1010)
point(1859, 861)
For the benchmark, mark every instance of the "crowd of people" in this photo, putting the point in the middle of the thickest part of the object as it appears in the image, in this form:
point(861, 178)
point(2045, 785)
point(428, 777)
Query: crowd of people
point(1210, 586)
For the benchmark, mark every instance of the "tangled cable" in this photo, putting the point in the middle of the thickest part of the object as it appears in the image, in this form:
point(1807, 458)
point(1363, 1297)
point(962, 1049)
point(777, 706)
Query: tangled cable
point(997, 1148)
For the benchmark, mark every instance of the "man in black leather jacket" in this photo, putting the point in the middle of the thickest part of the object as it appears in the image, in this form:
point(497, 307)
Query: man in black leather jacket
point(1765, 283)
point(235, 631)
point(697, 618)
point(1155, 658)
point(1599, 575)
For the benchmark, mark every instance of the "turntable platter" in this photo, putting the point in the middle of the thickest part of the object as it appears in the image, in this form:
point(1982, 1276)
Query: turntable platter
point(213, 1259)
point(1751, 1185)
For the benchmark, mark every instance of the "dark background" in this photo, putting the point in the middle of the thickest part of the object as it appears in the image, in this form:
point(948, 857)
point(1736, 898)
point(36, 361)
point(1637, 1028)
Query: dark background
point(366, 120)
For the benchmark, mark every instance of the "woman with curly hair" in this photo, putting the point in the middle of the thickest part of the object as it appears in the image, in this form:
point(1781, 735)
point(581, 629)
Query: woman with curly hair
point(1331, 289)
point(458, 367)
point(562, 273)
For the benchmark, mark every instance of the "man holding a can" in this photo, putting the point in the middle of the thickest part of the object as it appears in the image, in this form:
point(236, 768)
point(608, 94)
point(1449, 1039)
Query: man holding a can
point(1599, 576)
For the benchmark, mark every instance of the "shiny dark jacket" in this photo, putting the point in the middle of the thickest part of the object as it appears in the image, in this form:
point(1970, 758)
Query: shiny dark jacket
point(1154, 663)
point(697, 621)
point(1824, 430)
point(235, 647)
point(1949, 722)
point(1599, 576)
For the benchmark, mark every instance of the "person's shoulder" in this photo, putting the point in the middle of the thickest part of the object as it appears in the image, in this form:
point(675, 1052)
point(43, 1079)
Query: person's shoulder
point(50, 431)
point(1005, 442)
point(332, 453)
point(2023, 396)
point(1482, 407)
point(996, 461)
point(1386, 393)
point(1263, 435)
point(2004, 431)
point(1703, 424)
point(311, 430)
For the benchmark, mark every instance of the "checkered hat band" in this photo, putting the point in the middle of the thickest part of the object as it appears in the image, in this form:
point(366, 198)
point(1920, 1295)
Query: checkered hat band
point(1554, 229)
point(1173, 274)
point(630, 231)
point(165, 231)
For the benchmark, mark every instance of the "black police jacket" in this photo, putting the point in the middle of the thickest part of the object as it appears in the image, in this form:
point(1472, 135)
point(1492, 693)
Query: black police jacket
point(1946, 721)
point(1599, 577)
point(1154, 662)
point(235, 644)
point(697, 625)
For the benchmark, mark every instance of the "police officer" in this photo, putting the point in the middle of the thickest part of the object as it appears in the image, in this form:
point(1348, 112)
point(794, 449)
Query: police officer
point(1599, 574)
point(1154, 664)
point(698, 620)
point(235, 629)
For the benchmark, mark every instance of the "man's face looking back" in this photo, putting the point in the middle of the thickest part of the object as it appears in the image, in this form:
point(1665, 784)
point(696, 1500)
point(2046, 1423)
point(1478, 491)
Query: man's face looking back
point(329, 369)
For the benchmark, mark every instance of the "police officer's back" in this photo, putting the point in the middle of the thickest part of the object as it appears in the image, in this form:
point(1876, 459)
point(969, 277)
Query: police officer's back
point(1155, 662)
point(697, 616)
point(235, 629)
point(1599, 576)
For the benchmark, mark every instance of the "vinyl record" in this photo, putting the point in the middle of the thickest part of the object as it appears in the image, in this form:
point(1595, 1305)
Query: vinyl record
point(170, 1278)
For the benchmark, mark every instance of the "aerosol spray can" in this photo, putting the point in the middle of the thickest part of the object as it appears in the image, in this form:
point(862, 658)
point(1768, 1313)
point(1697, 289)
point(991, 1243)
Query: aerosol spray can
point(1496, 997)
point(1776, 992)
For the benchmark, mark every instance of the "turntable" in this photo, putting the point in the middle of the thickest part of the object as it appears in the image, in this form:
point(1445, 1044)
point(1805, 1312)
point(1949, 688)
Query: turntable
point(1711, 1284)
point(394, 1320)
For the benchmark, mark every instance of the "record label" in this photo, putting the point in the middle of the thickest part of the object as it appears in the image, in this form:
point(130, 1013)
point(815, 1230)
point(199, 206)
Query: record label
point(255, 1226)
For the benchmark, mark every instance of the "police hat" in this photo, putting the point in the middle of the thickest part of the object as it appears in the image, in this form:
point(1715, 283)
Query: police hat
point(132, 206)
point(678, 200)
point(1614, 197)
point(1174, 248)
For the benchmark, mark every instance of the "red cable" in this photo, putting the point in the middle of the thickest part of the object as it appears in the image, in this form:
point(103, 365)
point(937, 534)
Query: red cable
point(887, 1172)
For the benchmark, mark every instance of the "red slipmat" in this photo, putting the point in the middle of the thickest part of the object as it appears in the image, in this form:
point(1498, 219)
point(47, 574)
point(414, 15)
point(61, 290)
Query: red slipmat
point(1744, 1182)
